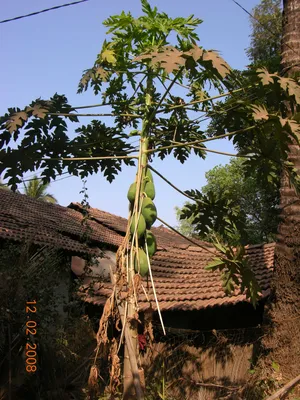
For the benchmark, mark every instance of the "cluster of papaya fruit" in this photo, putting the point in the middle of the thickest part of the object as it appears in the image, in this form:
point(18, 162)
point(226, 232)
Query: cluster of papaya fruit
point(146, 219)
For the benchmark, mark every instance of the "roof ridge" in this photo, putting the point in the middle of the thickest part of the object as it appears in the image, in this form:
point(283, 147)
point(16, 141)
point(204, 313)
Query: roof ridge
point(76, 205)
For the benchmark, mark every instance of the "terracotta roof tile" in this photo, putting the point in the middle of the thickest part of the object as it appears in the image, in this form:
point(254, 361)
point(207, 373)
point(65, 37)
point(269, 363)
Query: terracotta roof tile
point(23, 218)
point(180, 278)
point(178, 266)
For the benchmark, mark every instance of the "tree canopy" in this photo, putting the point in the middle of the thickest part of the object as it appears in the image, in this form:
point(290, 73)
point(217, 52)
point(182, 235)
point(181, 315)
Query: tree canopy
point(255, 205)
point(265, 44)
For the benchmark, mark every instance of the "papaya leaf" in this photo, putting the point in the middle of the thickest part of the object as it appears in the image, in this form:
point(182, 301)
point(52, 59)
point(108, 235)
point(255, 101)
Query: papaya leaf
point(38, 110)
point(291, 86)
point(101, 73)
point(168, 58)
point(259, 112)
point(16, 121)
point(265, 76)
point(109, 56)
point(218, 62)
point(196, 52)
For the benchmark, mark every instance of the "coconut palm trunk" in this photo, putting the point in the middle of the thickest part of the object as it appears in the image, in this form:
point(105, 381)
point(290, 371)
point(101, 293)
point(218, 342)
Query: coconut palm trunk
point(283, 342)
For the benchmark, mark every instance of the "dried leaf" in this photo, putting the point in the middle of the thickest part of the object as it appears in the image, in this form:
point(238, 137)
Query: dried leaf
point(284, 82)
point(265, 77)
point(101, 73)
point(283, 121)
point(115, 366)
point(196, 52)
point(217, 61)
point(294, 126)
point(38, 111)
point(291, 86)
point(16, 121)
point(168, 58)
point(93, 378)
point(103, 323)
point(86, 78)
point(259, 113)
point(294, 90)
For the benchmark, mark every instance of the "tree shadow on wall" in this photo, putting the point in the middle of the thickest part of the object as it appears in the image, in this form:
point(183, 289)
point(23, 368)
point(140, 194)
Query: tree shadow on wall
point(211, 363)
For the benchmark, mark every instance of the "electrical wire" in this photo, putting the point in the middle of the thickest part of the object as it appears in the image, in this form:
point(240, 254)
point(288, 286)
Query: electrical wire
point(42, 11)
point(263, 25)
point(56, 180)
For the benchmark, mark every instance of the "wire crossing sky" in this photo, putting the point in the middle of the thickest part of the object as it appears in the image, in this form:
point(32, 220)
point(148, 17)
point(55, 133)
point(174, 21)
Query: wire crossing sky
point(48, 54)
point(42, 11)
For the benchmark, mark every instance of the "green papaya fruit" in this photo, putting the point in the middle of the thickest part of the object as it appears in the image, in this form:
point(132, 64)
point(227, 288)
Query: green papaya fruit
point(149, 175)
point(131, 192)
point(150, 190)
point(141, 263)
point(149, 211)
point(141, 228)
point(151, 243)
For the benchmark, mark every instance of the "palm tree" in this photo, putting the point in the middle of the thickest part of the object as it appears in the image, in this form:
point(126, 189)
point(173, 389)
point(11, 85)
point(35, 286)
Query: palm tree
point(284, 342)
point(38, 190)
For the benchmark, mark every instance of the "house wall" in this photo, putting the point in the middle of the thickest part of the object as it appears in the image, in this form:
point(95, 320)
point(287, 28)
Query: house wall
point(206, 354)
point(187, 371)
point(99, 268)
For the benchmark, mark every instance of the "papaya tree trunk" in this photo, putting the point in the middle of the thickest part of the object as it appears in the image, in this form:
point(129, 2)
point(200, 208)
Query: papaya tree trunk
point(133, 378)
point(283, 312)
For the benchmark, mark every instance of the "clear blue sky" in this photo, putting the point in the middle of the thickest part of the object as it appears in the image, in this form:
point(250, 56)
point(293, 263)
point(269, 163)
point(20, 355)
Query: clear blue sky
point(47, 53)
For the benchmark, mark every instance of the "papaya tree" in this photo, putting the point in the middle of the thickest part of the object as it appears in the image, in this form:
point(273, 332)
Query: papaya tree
point(153, 78)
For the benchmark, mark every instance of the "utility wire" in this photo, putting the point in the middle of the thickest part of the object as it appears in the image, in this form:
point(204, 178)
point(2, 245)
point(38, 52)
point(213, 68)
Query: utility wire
point(42, 11)
point(263, 25)
point(56, 180)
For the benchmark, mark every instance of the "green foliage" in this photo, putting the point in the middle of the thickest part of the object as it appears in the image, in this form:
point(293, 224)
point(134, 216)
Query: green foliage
point(254, 207)
point(213, 212)
point(26, 143)
point(266, 146)
point(236, 272)
point(264, 49)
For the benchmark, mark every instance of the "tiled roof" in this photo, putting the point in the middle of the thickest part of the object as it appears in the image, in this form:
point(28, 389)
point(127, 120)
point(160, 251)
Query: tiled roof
point(26, 219)
point(178, 266)
point(180, 279)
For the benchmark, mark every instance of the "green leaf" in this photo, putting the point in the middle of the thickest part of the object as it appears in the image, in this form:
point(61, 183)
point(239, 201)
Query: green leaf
point(275, 366)
point(109, 56)
point(220, 247)
point(215, 264)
